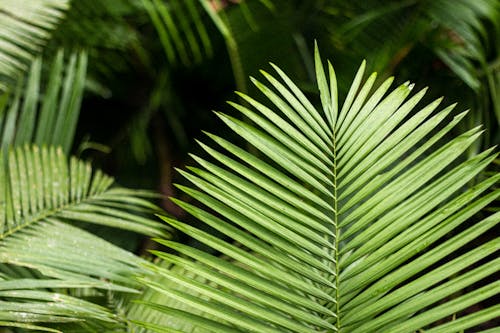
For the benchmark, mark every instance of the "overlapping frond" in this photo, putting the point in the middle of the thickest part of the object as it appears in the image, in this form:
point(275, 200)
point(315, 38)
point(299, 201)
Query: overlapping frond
point(109, 32)
point(25, 27)
point(153, 318)
point(182, 28)
point(351, 218)
point(467, 24)
point(45, 201)
point(462, 34)
point(27, 118)
point(26, 302)
point(182, 32)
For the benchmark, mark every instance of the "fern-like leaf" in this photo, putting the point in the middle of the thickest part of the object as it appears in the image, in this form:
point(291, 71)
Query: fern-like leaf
point(352, 218)
point(46, 200)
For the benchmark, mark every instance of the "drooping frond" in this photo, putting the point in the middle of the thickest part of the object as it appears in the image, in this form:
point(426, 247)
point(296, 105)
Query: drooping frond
point(46, 200)
point(24, 28)
point(181, 30)
point(457, 32)
point(351, 218)
point(24, 119)
point(181, 26)
point(184, 34)
point(463, 44)
point(109, 32)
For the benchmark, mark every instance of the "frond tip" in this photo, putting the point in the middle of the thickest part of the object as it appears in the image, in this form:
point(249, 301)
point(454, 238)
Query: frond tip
point(348, 219)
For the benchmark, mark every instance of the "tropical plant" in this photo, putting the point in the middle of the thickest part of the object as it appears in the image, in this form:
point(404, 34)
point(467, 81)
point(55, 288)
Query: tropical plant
point(51, 268)
point(351, 218)
point(375, 216)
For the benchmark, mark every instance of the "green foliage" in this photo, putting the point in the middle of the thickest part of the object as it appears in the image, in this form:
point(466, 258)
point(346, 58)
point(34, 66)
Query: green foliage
point(42, 196)
point(109, 33)
point(182, 30)
point(338, 223)
point(179, 39)
point(374, 214)
point(24, 28)
point(462, 35)
point(54, 121)
point(51, 269)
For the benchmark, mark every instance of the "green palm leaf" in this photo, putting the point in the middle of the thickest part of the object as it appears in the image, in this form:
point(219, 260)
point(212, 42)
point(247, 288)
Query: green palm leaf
point(45, 201)
point(184, 34)
point(24, 28)
point(352, 218)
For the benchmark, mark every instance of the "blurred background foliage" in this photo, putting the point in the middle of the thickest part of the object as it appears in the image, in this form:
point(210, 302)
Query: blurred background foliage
point(156, 68)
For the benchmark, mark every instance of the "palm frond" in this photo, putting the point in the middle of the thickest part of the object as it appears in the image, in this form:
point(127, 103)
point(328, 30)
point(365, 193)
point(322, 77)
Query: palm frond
point(351, 218)
point(25, 27)
point(40, 183)
point(50, 120)
point(182, 32)
point(109, 32)
point(465, 46)
point(25, 302)
point(184, 35)
point(464, 36)
point(181, 27)
point(45, 200)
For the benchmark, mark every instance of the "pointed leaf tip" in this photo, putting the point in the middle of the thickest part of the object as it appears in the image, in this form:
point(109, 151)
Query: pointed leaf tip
point(263, 72)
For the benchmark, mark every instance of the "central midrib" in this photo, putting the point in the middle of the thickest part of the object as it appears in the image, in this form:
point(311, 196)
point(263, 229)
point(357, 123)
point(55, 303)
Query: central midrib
point(337, 233)
point(46, 213)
